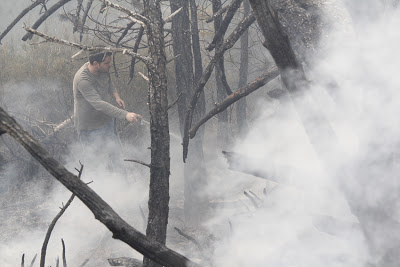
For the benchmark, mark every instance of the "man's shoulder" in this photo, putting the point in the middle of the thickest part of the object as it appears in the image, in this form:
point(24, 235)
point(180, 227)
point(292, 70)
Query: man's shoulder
point(82, 73)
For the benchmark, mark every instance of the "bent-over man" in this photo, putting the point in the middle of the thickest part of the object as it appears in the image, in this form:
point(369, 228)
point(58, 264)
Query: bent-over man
point(93, 108)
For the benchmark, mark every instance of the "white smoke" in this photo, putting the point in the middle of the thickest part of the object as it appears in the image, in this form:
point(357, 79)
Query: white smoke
point(292, 229)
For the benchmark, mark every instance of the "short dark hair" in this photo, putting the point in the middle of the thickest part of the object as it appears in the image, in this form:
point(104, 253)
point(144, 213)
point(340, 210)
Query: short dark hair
point(98, 56)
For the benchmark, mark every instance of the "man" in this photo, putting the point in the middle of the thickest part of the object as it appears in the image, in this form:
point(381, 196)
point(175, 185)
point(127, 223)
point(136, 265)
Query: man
point(94, 113)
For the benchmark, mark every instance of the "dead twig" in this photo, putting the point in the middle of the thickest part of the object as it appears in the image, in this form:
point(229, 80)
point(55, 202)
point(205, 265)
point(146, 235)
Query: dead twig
point(138, 161)
point(33, 261)
point(47, 14)
point(251, 199)
point(63, 253)
point(189, 238)
point(176, 101)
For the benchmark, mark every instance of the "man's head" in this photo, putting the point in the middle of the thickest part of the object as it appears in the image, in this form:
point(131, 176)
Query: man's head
point(100, 61)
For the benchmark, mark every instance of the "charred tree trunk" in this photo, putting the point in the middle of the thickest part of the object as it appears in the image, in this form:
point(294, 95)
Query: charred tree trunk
point(159, 129)
point(194, 169)
point(380, 229)
point(222, 131)
point(241, 114)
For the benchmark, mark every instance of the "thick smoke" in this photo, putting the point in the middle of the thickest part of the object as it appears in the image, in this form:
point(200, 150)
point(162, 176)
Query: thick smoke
point(305, 219)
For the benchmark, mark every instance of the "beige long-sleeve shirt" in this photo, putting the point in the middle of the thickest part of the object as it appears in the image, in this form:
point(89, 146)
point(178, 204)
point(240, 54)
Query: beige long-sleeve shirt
point(92, 100)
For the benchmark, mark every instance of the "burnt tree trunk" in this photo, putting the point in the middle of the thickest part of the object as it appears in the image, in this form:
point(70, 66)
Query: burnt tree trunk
point(159, 129)
point(195, 204)
point(222, 131)
point(241, 114)
point(285, 40)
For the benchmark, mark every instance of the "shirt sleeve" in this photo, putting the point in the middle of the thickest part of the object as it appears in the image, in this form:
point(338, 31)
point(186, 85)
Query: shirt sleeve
point(93, 98)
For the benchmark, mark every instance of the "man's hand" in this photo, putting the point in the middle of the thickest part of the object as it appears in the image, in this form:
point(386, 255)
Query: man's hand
point(120, 102)
point(133, 117)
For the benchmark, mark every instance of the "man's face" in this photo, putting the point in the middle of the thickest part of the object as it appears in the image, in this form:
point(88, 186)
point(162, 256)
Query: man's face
point(105, 65)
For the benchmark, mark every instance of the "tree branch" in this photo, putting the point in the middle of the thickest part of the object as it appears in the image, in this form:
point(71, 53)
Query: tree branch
point(47, 14)
point(225, 23)
point(102, 211)
point(140, 18)
point(48, 38)
point(19, 17)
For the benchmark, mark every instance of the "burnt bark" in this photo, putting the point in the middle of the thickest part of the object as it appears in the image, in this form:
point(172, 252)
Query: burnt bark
point(159, 129)
point(222, 130)
point(195, 204)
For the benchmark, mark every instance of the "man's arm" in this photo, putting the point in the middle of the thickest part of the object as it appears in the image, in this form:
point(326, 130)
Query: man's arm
point(94, 99)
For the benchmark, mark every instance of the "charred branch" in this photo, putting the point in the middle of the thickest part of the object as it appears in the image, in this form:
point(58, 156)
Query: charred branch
point(33, 261)
point(135, 49)
point(85, 14)
point(146, 60)
point(19, 17)
point(142, 20)
point(253, 201)
point(63, 253)
point(219, 13)
point(138, 161)
point(242, 92)
point(102, 211)
point(225, 23)
point(47, 14)
point(77, 14)
point(188, 237)
point(229, 42)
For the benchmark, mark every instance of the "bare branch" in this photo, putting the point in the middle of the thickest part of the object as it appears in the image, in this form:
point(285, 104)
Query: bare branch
point(218, 13)
point(63, 253)
point(225, 23)
point(251, 199)
point(19, 17)
point(33, 261)
point(189, 238)
point(138, 17)
point(176, 101)
point(85, 14)
point(135, 49)
point(76, 19)
point(144, 76)
point(170, 17)
point(242, 92)
point(138, 161)
point(146, 60)
point(47, 14)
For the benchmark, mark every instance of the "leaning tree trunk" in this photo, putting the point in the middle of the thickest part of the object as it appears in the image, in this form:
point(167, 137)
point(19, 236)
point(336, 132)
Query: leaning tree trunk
point(159, 129)
point(222, 131)
point(380, 229)
point(241, 114)
point(195, 203)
